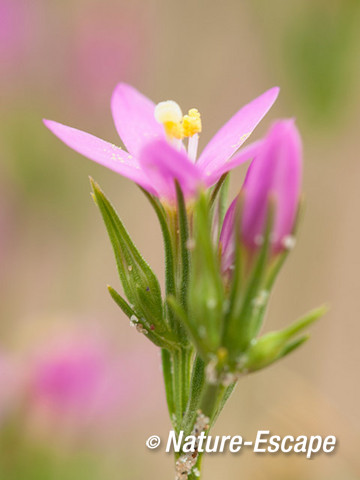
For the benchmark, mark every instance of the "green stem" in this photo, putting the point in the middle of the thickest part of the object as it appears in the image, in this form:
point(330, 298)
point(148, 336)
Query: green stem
point(181, 382)
point(177, 383)
point(168, 382)
point(187, 354)
point(211, 400)
point(208, 398)
point(200, 395)
point(195, 394)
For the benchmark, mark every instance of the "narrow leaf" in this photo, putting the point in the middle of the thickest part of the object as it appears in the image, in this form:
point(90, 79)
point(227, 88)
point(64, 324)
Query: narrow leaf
point(135, 274)
point(184, 238)
point(206, 290)
point(169, 254)
point(121, 302)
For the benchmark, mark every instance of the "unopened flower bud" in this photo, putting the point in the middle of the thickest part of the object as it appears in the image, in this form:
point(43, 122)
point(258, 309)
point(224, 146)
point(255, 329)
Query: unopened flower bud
point(273, 176)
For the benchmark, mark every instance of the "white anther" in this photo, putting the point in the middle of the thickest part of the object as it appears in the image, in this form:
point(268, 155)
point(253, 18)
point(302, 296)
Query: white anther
point(168, 111)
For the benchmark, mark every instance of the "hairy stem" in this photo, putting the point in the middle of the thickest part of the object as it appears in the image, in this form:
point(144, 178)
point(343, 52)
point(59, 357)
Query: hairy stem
point(181, 382)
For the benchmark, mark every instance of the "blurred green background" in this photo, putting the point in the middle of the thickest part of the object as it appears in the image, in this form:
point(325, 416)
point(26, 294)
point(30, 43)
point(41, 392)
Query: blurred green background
point(61, 60)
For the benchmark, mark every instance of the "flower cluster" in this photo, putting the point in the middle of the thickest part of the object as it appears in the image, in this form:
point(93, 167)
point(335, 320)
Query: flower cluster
point(221, 263)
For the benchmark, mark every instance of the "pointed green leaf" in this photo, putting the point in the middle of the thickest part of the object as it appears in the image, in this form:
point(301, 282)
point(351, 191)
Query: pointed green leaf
point(275, 345)
point(304, 322)
point(135, 274)
point(121, 302)
point(162, 339)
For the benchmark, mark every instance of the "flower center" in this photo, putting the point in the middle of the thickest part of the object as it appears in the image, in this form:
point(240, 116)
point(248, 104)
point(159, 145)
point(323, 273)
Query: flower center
point(177, 127)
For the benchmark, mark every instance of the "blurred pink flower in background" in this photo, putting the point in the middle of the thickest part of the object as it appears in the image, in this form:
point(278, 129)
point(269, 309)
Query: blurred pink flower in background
point(17, 34)
point(77, 381)
point(108, 45)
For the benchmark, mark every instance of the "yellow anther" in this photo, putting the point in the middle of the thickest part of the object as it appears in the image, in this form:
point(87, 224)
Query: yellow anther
point(191, 123)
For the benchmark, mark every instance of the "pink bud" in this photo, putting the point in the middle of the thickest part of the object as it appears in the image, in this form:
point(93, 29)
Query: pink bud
point(275, 173)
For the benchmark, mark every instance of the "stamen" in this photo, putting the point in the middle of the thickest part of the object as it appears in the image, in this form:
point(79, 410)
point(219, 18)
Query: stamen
point(170, 115)
point(191, 123)
point(178, 126)
point(191, 128)
point(168, 111)
point(193, 146)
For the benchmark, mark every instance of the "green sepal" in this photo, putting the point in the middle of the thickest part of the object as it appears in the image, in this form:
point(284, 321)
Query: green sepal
point(218, 205)
point(291, 346)
point(244, 315)
point(169, 254)
point(271, 274)
point(236, 293)
point(222, 203)
point(183, 318)
point(135, 274)
point(277, 264)
point(275, 345)
point(184, 238)
point(170, 270)
point(217, 188)
point(206, 293)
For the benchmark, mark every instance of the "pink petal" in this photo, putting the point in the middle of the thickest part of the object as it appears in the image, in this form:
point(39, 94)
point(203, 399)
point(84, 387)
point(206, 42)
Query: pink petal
point(276, 171)
point(134, 119)
point(234, 133)
point(242, 156)
point(163, 165)
point(101, 152)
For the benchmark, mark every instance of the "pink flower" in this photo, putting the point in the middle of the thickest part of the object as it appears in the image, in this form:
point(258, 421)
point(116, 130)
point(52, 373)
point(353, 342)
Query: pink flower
point(156, 154)
point(78, 381)
point(108, 43)
point(18, 35)
point(275, 172)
